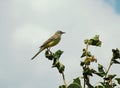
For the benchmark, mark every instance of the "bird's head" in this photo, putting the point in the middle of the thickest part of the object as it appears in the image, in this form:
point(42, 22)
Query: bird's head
point(60, 32)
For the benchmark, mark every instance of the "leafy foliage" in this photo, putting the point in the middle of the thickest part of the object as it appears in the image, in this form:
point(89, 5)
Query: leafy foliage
point(63, 86)
point(93, 41)
point(118, 80)
point(55, 57)
point(89, 58)
point(75, 84)
point(116, 56)
point(109, 80)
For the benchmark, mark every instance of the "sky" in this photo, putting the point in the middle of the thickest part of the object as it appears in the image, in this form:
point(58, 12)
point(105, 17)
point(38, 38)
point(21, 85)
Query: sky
point(26, 24)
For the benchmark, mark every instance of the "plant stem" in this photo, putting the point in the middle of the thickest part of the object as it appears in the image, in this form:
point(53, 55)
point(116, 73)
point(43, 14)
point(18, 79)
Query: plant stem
point(86, 50)
point(84, 83)
point(108, 69)
point(63, 76)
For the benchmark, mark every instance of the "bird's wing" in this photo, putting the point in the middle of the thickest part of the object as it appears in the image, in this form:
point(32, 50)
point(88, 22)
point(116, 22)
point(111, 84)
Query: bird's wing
point(49, 40)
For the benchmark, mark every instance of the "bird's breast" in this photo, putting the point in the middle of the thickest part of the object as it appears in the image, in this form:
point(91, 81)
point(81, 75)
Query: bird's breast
point(54, 42)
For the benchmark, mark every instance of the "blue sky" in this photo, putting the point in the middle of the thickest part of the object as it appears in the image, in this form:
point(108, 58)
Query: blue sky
point(115, 4)
point(26, 24)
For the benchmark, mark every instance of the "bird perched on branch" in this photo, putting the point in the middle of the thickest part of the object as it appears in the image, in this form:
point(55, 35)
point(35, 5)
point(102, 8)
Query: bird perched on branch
point(52, 41)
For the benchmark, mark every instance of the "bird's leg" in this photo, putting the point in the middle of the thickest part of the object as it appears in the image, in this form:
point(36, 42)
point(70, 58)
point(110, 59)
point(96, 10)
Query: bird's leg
point(48, 49)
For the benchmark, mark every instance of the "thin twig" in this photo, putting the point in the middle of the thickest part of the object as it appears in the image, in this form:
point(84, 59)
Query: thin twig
point(108, 69)
point(64, 80)
point(48, 49)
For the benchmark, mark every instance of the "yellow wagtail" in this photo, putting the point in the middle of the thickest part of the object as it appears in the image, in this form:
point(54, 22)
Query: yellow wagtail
point(52, 41)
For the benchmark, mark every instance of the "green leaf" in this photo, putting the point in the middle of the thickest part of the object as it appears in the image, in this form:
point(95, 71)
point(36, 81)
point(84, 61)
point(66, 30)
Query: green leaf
point(74, 85)
point(99, 74)
point(82, 63)
point(77, 80)
point(87, 71)
point(114, 84)
point(111, 76)
point(87, 81)
point(90, 86)
point(56, 57)
point(106, 85)
point(87, 61)
point(63, 86)
point(99, 86)
point(56, 62)
point(58, 54)
point(118, 80)
point(100, 69)
point(116, 53)
point(59, 66)
point(115, 61)
point(94, 41)
point(49, 55)
point(86, 41)
point(84, 53)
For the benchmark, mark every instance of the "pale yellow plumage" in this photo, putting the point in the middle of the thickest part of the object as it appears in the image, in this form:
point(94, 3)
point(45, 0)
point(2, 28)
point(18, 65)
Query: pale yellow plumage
point(52, 41)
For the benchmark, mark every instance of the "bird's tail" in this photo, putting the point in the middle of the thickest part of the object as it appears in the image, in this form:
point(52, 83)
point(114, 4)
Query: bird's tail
point(37, 53)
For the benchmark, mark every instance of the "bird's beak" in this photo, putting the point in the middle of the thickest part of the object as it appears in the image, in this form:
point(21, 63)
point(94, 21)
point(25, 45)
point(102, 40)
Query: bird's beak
point(63, 32)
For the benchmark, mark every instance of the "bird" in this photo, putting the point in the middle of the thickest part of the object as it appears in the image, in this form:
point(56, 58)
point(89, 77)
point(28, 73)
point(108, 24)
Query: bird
point(52, 41)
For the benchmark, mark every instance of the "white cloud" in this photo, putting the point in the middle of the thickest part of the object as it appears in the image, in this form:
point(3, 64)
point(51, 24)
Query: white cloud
point(30, 34)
